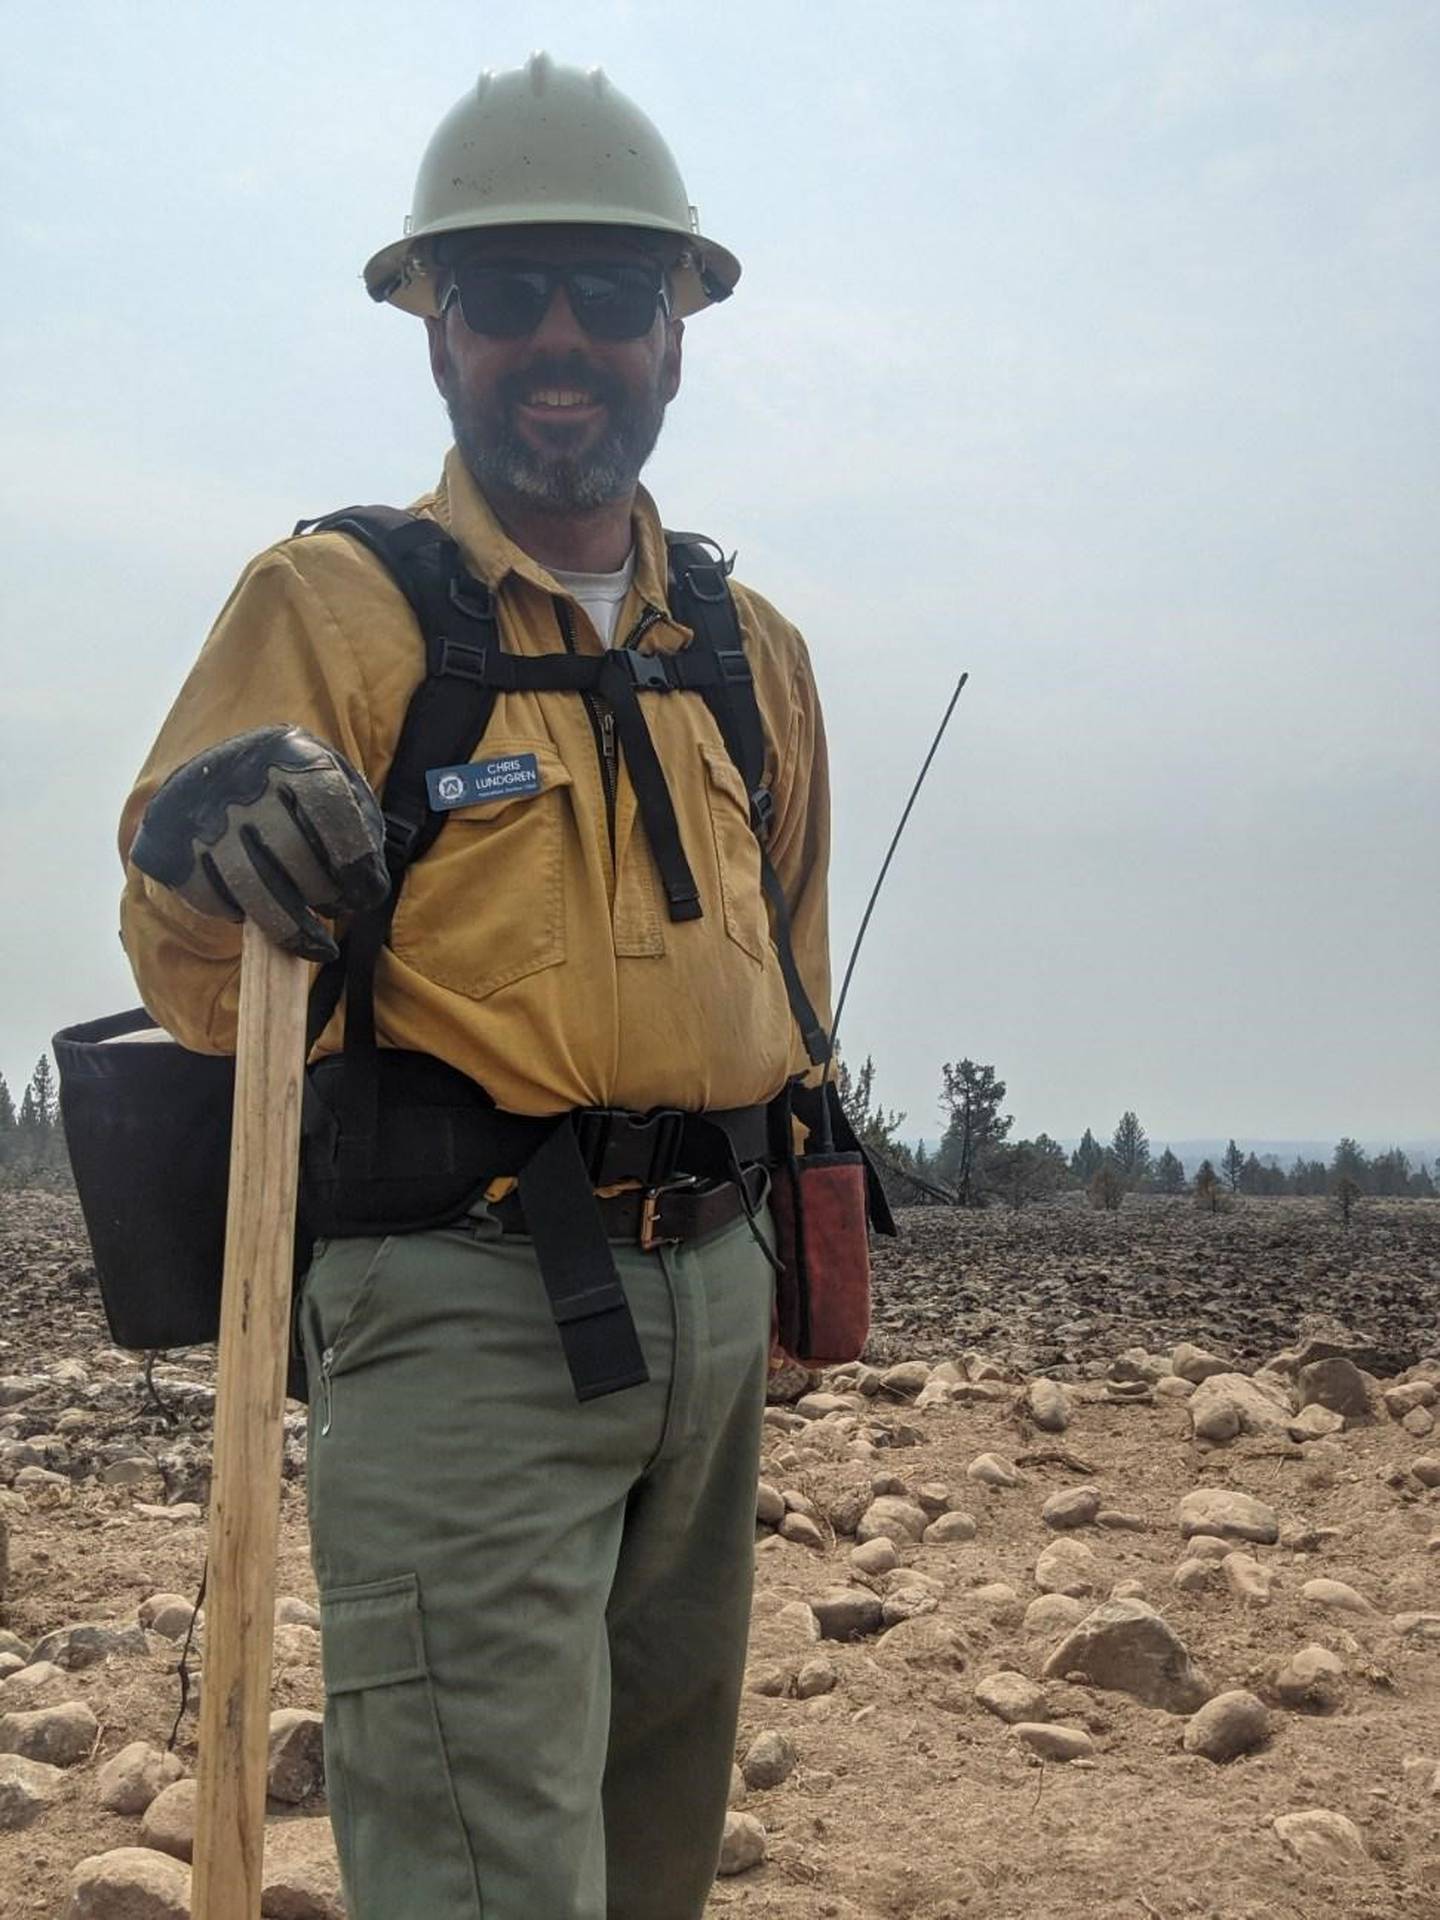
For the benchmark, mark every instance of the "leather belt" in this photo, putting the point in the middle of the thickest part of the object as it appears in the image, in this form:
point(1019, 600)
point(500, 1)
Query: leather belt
point(659, 1216)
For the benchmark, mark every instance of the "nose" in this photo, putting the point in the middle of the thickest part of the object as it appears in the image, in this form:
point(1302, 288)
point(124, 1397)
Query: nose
point(559, 331)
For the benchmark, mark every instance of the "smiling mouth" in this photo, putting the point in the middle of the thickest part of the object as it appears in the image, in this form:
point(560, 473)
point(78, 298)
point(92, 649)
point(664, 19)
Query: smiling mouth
point(561, 399)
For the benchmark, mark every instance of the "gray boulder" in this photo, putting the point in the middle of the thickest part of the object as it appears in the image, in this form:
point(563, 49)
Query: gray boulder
point(1125, 1646)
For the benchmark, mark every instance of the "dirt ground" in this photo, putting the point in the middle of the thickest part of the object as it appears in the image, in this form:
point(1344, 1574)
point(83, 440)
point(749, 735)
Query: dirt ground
point(908, 1799)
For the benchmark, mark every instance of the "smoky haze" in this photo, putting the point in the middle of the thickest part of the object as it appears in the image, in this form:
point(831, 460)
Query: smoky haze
point(1089, 347)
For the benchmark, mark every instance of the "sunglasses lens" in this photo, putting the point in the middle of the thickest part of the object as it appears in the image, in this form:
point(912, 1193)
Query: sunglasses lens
point(502, 301)
point(614, 303)
point(610, 302)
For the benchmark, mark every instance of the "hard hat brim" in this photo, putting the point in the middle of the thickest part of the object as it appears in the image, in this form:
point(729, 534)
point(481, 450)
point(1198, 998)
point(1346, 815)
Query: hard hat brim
point(400, 274)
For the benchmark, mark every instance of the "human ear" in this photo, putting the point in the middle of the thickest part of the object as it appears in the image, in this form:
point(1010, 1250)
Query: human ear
point(439, 351)
point(670, 364)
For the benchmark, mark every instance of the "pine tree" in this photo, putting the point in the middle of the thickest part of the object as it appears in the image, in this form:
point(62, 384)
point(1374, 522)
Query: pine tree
point(1306, 1176)
point(1390, 1174)
point(1170, 1173)
point(1130, 1150)
point(1349, 1162)
point(1207, 1188)
point(1051, 1157)
point(37, 1130)
point(1024, 1170)
point(1107, 1189)
point(9, 1126)
point(42, 1085)
point(874, 1126)
point(977, 1127)
point(1087, 1159)
point(1347, 1191)
point(1232, 1166)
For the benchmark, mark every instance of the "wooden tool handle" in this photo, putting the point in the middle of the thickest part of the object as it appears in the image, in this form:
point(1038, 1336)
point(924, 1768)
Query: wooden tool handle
point(249, 1432)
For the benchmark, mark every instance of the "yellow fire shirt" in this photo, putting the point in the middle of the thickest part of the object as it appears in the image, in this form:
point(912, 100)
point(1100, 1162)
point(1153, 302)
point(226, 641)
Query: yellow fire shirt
point(529, 949)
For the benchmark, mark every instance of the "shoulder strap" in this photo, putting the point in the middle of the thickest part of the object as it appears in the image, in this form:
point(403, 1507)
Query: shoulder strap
point(700, 597)
point(450, 709)
point(444, 722)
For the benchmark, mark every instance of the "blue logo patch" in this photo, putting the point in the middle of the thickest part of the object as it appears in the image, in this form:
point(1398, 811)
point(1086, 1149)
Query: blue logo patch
point(516, 776)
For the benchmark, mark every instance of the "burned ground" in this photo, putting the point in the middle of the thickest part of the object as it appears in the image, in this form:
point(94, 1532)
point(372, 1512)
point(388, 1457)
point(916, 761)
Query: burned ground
point(902, 1796)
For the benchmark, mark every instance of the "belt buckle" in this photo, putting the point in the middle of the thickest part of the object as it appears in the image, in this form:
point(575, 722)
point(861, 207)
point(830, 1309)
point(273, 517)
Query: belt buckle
point(649, 1239)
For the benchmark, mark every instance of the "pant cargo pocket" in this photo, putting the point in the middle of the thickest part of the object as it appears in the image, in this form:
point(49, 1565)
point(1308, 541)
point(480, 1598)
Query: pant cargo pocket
point(404, 1853)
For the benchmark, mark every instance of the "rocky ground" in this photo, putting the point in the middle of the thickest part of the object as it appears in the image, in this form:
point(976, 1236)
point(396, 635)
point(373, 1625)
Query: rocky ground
point(1111, 1588)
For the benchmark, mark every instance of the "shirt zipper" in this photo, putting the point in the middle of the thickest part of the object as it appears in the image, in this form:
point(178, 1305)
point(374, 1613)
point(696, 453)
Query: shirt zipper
point(602, 719)
point(649, 618)
point(602, 725)
point(601, 709)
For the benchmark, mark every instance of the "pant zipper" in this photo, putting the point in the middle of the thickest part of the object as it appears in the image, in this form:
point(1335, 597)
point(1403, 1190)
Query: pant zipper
point(327, 1365)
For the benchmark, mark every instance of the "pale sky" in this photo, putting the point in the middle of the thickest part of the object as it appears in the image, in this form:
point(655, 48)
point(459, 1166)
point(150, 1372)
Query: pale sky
point(1089, 345)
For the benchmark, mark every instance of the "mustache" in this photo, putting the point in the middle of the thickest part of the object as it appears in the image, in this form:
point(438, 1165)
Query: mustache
point(561, 370)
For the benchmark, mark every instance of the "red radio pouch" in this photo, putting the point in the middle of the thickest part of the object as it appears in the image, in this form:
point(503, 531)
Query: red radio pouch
point(822, 1300)
point(823, 1205)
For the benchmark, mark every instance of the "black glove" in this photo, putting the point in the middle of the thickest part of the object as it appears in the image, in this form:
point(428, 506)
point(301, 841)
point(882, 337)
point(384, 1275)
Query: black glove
point(268, 826)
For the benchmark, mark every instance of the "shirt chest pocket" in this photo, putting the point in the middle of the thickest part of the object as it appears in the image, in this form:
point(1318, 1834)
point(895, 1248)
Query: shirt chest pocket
point(486, 905)
point(737, 854)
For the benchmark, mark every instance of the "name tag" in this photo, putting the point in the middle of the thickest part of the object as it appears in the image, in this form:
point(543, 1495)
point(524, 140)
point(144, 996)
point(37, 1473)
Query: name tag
point(516, 776)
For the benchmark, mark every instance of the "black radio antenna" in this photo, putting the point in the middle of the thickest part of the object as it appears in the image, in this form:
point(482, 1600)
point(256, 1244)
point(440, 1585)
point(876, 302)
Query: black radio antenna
point(885, 865)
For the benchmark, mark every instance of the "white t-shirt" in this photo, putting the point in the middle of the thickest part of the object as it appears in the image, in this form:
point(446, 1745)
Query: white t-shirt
point(600, 594)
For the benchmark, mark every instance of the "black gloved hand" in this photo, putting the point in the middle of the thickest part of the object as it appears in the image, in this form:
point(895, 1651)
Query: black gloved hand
point(273, 826)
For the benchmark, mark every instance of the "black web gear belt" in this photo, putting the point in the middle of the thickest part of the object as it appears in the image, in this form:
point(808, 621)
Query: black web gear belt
point(438, 1144)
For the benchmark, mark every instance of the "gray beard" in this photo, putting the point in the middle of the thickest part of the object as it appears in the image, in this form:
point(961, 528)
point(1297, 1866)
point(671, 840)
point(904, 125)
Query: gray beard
point(500, 462)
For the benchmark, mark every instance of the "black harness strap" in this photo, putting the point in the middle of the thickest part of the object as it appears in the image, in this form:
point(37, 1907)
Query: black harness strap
point(587, 1296)
point(616, 676)
point(618, 680)
point(700, 584)
point(444, 722)
point(700, 596)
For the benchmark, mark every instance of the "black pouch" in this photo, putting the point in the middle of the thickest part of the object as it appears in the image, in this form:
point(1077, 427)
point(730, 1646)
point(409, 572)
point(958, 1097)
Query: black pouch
point(147, 1126)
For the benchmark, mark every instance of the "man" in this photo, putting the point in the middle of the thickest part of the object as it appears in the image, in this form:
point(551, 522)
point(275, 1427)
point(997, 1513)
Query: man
point(534, 1573)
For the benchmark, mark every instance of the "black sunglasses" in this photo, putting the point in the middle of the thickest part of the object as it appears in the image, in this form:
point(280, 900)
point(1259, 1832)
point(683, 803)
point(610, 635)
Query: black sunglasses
point(612, 300)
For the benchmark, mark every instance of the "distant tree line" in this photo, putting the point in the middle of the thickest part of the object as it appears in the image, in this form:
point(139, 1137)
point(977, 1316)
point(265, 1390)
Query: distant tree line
point(31, 1137)
point(978, 1162)
point(1384, 1176)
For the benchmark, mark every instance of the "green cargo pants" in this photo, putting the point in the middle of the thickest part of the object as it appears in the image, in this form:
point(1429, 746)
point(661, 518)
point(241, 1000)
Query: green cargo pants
point(534, 1612)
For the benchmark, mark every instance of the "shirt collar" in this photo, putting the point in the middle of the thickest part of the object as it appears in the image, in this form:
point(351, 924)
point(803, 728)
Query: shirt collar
point(462, 508)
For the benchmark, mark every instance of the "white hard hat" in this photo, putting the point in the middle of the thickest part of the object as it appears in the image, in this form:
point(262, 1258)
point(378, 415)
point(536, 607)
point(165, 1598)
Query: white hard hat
point(545, 145)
